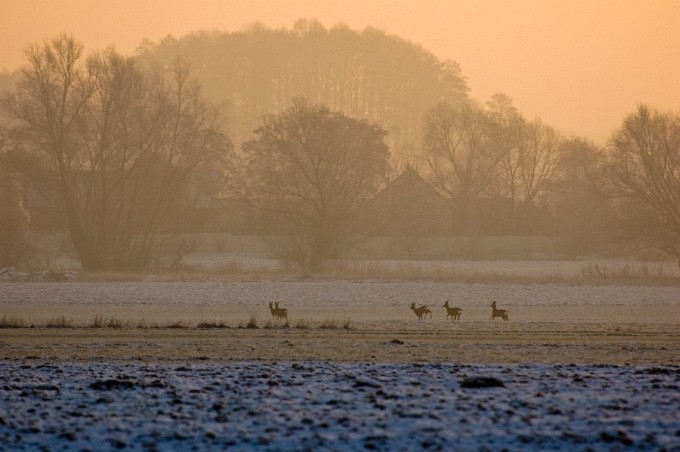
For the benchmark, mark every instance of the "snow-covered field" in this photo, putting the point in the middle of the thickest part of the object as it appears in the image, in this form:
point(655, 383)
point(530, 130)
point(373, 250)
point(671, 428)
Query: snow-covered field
point(338, 406)
point(390, 382)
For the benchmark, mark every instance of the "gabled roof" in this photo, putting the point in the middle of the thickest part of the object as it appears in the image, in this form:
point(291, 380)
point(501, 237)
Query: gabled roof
point(410, 206)
point(409, 184)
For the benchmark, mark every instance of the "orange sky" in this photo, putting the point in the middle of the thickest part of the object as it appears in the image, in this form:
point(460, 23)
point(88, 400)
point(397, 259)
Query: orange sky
point(581, 65)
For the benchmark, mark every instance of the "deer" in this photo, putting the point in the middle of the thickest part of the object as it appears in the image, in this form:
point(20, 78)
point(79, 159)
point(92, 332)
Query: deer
point(282, 313)
point(275, 314)
point(502, 313)
point(278, 313)
point(454, 313)
point(421, 311)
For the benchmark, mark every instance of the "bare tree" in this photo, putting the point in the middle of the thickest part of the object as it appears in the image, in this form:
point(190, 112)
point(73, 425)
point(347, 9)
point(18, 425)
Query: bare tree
point(13, 218)
point(459, 155)
point(508, 130)
point(314, 170)
point(644, 167)
point(538, 159)
point(114, 147)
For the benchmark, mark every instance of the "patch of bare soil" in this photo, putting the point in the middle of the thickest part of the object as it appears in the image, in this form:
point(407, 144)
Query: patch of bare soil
point(385, 342)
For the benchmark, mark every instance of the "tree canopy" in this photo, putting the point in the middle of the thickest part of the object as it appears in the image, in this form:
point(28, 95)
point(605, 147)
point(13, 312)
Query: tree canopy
point(313, 170)
point(110, 148)
point(364, 74)
point(644, 167)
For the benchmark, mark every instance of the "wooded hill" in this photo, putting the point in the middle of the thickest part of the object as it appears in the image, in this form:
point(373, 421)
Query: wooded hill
point(365, 74)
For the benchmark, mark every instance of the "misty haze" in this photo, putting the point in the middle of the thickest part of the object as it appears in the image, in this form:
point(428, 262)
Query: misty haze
point(317, 235)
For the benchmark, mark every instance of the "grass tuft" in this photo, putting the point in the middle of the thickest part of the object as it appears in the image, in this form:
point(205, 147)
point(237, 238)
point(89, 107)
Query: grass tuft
point(98, 322)
point(12, 322)
point(329, 325)
point(627, 273)
point(115, 323)
point(59, 322)
point(270, 325)
point(212, 325)
point(252, 323)
point(179, 324)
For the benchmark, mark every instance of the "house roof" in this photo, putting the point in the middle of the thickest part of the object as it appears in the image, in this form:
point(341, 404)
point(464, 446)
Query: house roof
point(408, 185)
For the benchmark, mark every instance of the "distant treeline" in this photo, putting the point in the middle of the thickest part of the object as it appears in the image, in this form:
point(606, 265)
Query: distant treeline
point(318, 134)
point(365, 74)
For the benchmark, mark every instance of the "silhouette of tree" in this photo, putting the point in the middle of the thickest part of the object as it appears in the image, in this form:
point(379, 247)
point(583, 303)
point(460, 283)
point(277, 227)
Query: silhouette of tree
point(111, 148)
point(508, 130)
point(459, 155)
point(313, 170)
point(644, 168)
point(538, 159)
point(13, 220)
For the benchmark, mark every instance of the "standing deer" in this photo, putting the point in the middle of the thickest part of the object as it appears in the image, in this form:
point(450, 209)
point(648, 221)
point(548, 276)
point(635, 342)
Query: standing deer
point(421, 311)
point(454, 313)
point(282, 313)
point(502, 313)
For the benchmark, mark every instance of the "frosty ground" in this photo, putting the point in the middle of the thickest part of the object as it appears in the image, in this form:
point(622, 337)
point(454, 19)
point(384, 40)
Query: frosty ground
point(581, 366)
point(312, 405)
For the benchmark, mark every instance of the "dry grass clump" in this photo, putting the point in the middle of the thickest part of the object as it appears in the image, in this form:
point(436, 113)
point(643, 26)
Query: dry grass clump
point(115, 323)
point(648, 274)
point(407, 271)
point(100, 321)
point(641, 274)
point(302, 324)
point(335, 325)
point(179, 324)
point(59, 322)
point(12, 322)
point(269, 324)
point(228, 272)
point(206, 325)
point(251, 325)
point(328, 325)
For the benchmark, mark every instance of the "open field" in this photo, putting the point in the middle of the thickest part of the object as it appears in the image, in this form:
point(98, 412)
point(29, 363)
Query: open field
point(343, 321)
point(110, 365)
